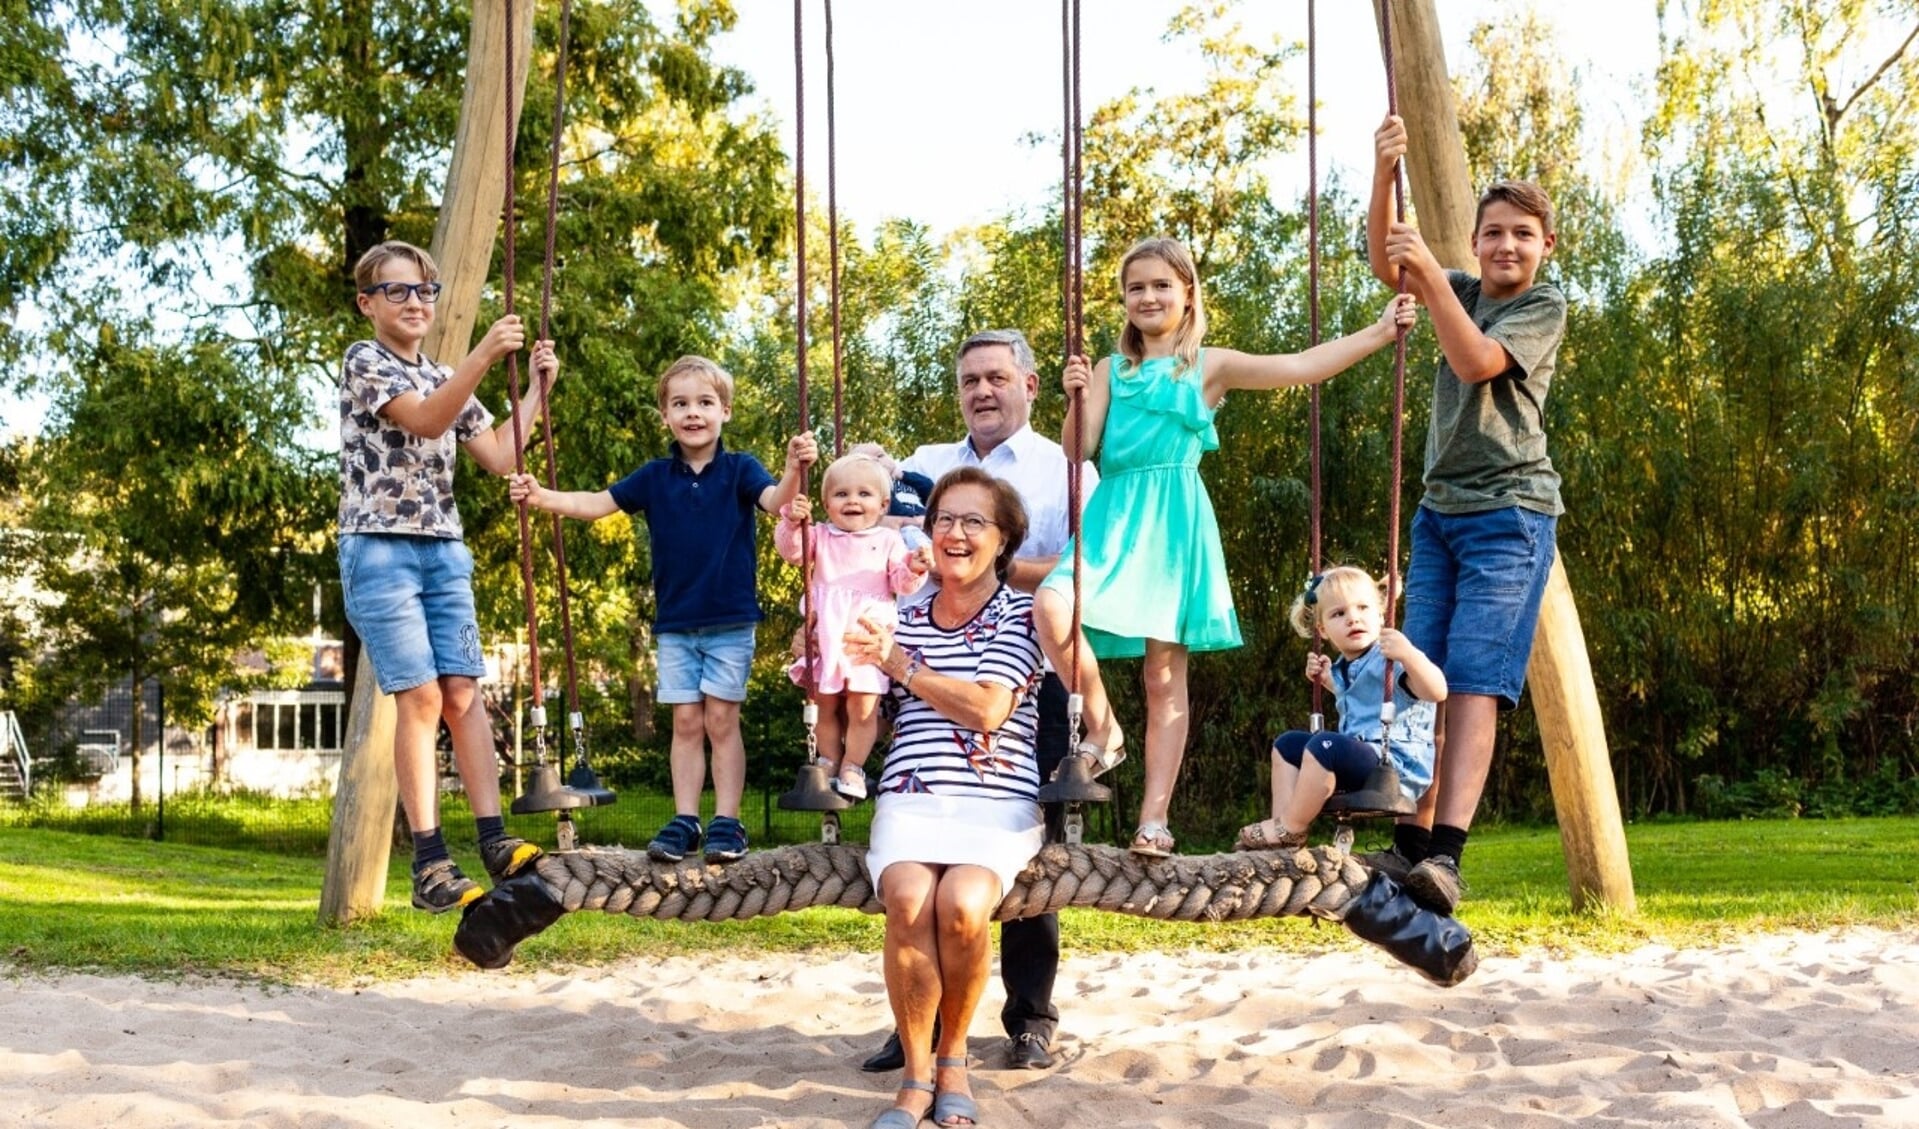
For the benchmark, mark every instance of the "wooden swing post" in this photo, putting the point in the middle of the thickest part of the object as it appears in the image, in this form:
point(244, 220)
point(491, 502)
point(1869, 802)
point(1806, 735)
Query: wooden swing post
point(359, 843)
point(1565, 701)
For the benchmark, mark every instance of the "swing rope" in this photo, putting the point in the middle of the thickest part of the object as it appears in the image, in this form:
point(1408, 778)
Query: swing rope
point(833, 246)
point(1073, 320)
point(1312, 287)
point(1399, 366)
point(811, 710)
point(576, 721)
point(575, 718)
point(519, 431)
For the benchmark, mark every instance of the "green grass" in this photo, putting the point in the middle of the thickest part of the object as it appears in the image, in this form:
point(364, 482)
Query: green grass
point(168, 909)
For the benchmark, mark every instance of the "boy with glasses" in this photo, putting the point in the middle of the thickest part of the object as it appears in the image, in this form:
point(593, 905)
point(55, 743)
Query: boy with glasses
point(405, 571)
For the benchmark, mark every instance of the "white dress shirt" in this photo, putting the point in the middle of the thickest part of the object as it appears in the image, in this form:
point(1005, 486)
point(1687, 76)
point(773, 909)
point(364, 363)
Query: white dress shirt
point(1036, 468)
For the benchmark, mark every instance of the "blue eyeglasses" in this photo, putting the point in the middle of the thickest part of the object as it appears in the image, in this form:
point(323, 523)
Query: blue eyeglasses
point(970, 524)
point(398, 292)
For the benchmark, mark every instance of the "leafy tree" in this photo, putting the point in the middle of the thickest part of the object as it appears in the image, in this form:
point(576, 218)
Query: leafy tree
point(165, 522)
point(1787, 364)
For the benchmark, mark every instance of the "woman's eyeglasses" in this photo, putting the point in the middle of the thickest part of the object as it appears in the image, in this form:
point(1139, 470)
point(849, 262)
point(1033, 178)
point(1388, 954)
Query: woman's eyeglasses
point(970, 524)
point(398, 292)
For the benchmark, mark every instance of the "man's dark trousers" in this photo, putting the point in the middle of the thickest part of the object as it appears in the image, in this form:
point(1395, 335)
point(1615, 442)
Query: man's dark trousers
point(1029, 948)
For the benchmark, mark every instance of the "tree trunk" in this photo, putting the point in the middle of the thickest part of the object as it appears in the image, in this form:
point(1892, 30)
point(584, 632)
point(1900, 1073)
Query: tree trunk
point(136, 724)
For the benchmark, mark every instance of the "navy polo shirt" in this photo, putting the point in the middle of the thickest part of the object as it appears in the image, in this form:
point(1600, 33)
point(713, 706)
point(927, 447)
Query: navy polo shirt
point(701, 527)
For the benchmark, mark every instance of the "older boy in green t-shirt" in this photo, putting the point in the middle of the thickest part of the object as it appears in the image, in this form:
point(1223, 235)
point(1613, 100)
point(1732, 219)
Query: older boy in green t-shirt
point(1483, 536)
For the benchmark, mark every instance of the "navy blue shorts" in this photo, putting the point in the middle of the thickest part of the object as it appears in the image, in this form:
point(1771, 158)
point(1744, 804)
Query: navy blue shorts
point(1350, 760)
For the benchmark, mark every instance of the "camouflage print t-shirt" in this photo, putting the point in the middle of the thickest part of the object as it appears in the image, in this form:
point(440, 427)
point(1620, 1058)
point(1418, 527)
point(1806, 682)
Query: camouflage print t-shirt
point(391, 480)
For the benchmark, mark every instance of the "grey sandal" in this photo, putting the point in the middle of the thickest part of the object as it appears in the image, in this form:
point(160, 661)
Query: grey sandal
point(947, 1103)
point(899, 1117)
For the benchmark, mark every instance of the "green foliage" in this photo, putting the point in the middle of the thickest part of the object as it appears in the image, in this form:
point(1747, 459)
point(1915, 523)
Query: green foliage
point(1735, 416)
point(84, 902)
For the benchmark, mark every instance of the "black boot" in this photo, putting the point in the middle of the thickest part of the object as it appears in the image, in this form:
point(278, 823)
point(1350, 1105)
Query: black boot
point(892, 1056)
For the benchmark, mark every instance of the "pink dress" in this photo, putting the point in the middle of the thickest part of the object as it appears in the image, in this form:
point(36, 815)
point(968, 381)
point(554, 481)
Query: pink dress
point(854, 574)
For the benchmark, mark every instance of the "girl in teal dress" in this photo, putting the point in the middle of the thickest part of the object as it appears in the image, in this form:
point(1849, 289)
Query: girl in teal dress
point(1153, 573)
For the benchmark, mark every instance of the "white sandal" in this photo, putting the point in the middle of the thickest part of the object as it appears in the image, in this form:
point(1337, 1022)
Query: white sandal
point(1148, 840)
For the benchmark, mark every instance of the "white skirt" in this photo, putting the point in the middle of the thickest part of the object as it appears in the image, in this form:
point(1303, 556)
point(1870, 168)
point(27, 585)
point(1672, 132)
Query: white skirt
point(1000, 835)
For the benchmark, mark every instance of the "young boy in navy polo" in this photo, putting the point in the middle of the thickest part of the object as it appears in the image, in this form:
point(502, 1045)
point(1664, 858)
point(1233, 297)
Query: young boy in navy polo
point(699, 503)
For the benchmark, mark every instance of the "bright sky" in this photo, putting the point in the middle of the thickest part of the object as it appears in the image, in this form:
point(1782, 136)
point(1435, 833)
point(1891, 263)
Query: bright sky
point(935, 101)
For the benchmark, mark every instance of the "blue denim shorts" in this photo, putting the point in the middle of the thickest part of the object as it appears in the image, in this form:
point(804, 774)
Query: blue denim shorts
point(411, 601)
point(707, 662)
point(1472, 595)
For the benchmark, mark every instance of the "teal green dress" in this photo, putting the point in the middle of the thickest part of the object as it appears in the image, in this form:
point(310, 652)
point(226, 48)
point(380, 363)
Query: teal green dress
point(1153, 566)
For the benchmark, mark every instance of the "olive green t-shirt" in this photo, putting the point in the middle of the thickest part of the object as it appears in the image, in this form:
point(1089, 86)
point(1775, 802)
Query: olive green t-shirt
point(1486, 445)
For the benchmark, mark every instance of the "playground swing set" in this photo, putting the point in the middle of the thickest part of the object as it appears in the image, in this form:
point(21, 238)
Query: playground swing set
point(1324, 882)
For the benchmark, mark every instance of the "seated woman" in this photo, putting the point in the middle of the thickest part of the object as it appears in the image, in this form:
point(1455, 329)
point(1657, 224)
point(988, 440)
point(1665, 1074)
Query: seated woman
point(958, 816)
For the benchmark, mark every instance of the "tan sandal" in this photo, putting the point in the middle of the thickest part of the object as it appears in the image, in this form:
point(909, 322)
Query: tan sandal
point(1154, 840)
point(1268, 835)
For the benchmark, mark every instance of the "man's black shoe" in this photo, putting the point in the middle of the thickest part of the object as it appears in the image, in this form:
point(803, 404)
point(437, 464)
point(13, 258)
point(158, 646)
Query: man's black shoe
point(892, 1056)
point(1029, 1053)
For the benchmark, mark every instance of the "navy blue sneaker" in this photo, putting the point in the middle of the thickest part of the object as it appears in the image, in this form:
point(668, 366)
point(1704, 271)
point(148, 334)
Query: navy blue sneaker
point(725, 840)
point(678, 839)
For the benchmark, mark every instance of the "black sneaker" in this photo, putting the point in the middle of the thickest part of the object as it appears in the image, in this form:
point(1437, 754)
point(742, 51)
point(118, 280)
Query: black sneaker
point(1388, 862)
point(506, 857)
point(1029, 1052)
point(678, 839)
point(439, 886)
point(1435, 883)
point(725, 840)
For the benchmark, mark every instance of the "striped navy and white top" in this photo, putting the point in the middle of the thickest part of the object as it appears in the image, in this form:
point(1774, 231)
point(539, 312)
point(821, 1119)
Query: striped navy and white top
point(932, 754)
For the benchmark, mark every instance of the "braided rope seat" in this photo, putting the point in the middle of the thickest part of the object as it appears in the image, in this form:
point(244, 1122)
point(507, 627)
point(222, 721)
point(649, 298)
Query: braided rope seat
point(1322, 882)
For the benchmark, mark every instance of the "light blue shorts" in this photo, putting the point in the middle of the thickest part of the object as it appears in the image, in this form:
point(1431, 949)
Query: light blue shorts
point(707, 662)
point(1472, 595)
point(411, 601)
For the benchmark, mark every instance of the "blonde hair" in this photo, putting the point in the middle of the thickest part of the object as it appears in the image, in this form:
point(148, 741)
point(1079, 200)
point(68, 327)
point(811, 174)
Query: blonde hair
point(1192, 327)
point(693, 365)
point(1305, 612)
point(367, 270)
point(854, 463)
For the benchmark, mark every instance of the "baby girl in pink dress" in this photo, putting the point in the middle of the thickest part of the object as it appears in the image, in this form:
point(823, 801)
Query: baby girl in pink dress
point(859, 566)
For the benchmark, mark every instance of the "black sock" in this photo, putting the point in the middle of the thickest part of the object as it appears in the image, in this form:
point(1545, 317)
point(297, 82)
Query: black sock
point(1411, 841)
point(492, 828)
point(1448, 840)
point(428, 847)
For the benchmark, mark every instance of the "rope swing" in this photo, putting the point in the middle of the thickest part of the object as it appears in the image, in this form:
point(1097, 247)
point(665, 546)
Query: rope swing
point(1325, 882)
point(1322, 882)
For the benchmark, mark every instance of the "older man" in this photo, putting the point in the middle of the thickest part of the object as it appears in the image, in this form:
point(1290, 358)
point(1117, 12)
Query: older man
point(998, 382)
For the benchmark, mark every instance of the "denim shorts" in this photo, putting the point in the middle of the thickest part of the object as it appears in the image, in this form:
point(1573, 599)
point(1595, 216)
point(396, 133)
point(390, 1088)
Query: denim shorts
point(1472, 595)
point(410, 599)
point(707, 662)
point(1349, 759)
